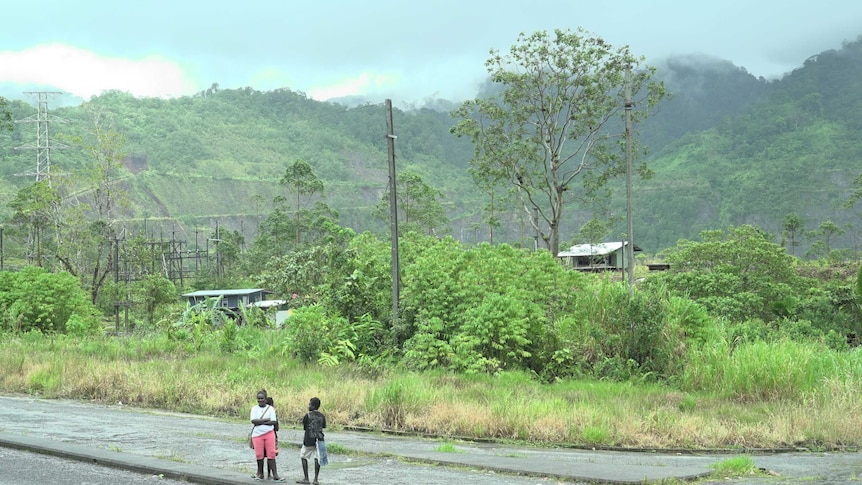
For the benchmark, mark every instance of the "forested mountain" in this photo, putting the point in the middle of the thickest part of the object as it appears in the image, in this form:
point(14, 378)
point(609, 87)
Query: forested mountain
point(219, 156)
point(787, 146)
point(728, 148)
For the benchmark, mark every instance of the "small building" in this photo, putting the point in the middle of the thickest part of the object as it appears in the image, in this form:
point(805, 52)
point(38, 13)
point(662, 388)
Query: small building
point(608, 256)
point(233, 299)
point(277, 310)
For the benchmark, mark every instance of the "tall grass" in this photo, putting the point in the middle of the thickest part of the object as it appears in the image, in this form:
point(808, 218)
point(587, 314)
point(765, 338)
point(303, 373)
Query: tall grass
point(768, 371)
point(748, 395)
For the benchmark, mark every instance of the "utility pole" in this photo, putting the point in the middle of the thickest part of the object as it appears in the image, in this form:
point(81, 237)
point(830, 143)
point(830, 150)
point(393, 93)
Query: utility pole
point(117, 285)
point(629, 248)
point(393, 213)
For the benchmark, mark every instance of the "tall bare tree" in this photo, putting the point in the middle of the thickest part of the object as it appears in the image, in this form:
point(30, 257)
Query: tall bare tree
point(553, 121)
point(92, 200)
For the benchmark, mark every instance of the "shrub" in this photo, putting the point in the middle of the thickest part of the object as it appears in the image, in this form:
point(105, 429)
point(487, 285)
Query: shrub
point(34, 299)
point(739, 274)
point(482, 309)
point(308, 333)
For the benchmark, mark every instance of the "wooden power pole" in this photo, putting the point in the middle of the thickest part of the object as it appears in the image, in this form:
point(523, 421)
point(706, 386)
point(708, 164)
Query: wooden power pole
point(393, 213)
point(629, 250)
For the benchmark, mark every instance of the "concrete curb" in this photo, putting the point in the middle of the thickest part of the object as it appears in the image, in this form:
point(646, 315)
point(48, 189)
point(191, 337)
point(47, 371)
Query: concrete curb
point(586, 471)
point(126, 461)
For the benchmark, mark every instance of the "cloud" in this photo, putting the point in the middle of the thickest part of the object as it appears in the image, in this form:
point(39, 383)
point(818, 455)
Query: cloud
point(83, 73)
point(365, 83)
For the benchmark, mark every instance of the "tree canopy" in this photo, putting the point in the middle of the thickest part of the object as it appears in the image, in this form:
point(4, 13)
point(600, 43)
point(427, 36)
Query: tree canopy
point(553, 122)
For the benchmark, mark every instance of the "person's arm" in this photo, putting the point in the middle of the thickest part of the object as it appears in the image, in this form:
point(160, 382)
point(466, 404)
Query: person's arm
point(269, 421)
point(273, 418)
point(258, 420)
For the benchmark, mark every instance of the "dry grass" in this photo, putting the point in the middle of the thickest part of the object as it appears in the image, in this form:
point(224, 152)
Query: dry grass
point(507, 407)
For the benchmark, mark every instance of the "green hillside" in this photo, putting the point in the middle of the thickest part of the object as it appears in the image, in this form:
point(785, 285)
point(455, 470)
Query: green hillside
point(793, 147)
point(726, 149)
point(197, 159)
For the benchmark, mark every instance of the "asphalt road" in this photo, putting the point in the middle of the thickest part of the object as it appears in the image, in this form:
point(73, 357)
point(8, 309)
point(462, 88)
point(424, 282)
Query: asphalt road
point(214, 450)
point(17, 467)
point(217, 444)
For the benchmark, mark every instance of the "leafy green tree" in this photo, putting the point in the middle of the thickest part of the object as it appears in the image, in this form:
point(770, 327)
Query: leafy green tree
point(35, 209)
point(552, 122)
point(301, 181)
point(228, 249)
point(309, 272)
point(593, 231)
point(319, 225)
point(739, 274)
point(153, 292)
point(419, 207)
point(270, 241)
point(792, 229)
point(828, 230)
point(365, 287)
point(5, 115)
point(490, 185)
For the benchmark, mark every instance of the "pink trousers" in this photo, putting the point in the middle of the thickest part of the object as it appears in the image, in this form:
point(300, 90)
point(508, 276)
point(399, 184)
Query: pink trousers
point(264, 442)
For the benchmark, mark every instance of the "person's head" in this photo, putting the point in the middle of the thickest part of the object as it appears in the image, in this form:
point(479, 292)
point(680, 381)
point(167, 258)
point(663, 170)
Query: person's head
point(314, 404)
point(270, 401)
point(261, 397)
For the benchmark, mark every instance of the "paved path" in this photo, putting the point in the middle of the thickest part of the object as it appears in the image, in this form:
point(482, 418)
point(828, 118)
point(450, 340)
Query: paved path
point(207, 450)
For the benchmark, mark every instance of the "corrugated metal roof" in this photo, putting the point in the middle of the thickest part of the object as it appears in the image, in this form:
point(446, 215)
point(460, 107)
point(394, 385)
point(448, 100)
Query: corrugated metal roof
point(268, 303)
point(246, 291)
point(600, 249)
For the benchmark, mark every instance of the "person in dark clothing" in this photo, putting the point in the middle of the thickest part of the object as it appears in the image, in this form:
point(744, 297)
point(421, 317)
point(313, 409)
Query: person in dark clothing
point(312, 423)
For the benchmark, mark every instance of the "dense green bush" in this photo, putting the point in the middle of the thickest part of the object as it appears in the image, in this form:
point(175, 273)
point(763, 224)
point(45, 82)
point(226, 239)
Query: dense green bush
point(739, 274)
point(613, 334)
point(308, 333)
point(34, 299)
point(482, 309)
point(362, 288)
point(487, 309)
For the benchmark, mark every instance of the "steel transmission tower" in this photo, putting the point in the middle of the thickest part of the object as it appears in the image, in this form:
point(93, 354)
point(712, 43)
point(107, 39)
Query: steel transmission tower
point(43, 145)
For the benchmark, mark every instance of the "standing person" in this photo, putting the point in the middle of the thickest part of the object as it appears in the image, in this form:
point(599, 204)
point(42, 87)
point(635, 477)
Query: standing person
point(264, 420)
point(269, 470)
point(313, 423)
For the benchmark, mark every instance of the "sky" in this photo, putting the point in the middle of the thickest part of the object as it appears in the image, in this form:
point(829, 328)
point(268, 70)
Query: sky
point(405, 50)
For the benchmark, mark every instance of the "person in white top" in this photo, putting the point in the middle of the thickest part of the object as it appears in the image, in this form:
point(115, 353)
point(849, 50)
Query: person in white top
point(264, 419)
